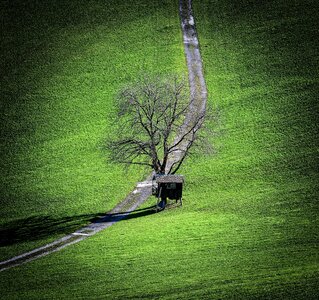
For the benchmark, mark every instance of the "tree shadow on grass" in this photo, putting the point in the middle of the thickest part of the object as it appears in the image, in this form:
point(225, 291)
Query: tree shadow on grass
point(137, 213)
point(41, 227)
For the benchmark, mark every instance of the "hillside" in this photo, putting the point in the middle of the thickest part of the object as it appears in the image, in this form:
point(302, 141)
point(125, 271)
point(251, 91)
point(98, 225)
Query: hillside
point(248, 228)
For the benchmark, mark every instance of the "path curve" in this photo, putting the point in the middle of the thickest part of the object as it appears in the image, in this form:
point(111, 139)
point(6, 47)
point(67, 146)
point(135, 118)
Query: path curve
point(143, 189)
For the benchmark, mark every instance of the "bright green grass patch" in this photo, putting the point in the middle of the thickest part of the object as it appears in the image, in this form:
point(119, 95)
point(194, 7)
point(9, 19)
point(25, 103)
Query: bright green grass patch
point(63, 64)
point(249, 225)
point(183, 254)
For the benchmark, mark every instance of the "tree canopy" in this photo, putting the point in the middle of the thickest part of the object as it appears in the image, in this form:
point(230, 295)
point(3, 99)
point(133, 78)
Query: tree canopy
point(156, 124)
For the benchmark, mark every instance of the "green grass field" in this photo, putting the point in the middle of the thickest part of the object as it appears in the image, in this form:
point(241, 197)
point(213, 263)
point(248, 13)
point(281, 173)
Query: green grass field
point(62, 65)
point(249, 225)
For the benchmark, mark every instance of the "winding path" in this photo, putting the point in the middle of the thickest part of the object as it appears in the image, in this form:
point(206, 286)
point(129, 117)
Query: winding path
point(143, 189)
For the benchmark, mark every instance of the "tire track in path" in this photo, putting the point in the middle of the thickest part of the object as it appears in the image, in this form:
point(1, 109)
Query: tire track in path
point(143, 189)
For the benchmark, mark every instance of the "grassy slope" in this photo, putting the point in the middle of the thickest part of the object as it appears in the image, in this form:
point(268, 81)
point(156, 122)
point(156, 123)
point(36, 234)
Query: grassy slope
point(249, 225)
point(62, 65)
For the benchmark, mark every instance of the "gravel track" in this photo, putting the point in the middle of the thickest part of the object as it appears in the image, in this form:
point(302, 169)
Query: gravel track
point(143, 189)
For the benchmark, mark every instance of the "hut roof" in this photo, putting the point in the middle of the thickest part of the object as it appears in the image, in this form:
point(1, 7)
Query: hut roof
point(170, 179)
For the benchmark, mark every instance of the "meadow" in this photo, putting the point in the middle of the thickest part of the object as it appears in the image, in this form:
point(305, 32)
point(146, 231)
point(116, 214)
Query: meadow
point(248, 228)
point(62, 65)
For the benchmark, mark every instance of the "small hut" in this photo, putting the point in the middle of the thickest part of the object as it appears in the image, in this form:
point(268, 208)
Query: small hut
point(168, 187)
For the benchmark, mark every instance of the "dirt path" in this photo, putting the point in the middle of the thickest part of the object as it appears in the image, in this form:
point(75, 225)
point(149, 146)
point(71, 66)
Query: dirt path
point(198, 91)
point(143, 189)
point(193, 58)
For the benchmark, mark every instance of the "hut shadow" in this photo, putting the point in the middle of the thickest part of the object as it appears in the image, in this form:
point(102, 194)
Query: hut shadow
point(137, 213)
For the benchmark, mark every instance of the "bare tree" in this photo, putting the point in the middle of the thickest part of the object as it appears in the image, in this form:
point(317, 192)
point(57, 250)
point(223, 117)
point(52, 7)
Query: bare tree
point(156, 126)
